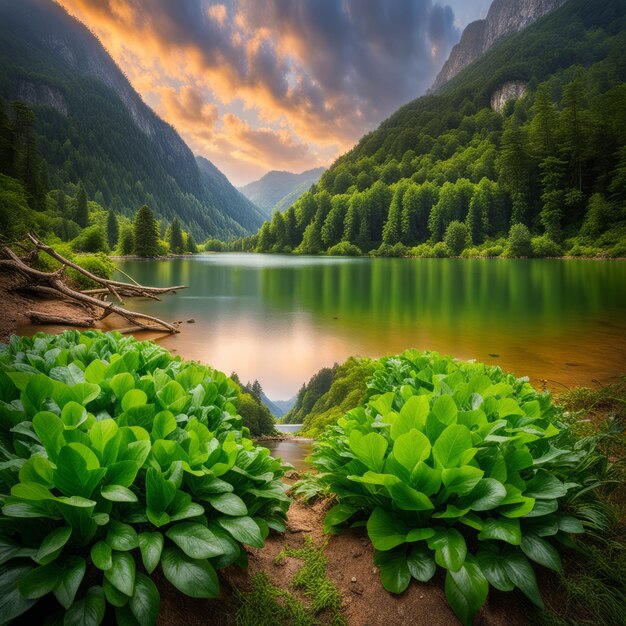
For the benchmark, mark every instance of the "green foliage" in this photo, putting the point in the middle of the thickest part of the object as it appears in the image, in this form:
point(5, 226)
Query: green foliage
point(518, 243)
point(91, 239)
point(343, 248)
point(113, 229)
point(176, 240)
point(256, 416)
point(81, 212)
point(113, 448)
point(146, 233)
point(126, 242)
point(456, 237)
point(544, 247)
point(329, 394)
point(455, 465)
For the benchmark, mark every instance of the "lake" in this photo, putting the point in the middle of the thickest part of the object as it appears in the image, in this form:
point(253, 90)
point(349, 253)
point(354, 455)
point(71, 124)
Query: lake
point(279, 318)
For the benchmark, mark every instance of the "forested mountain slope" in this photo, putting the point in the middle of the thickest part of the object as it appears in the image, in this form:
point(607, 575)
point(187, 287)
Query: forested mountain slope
point(553, 160)
point(277, 191)
point(93, 127)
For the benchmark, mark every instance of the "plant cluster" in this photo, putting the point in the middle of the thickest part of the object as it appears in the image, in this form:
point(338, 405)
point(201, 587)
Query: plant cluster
point(115, 459)
point(456, 465)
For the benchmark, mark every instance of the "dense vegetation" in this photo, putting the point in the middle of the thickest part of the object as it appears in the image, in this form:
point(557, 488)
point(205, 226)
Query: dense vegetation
point(92, 128)
point(27, 204)
point(459, 466)
point(447, 175)
point(329, 394)
point(113, 454)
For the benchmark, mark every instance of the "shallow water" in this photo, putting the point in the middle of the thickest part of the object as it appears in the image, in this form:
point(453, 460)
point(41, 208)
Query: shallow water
point(293, 452)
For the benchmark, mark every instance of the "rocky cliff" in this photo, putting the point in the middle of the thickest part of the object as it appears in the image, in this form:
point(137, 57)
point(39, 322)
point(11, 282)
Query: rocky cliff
point(504, 18)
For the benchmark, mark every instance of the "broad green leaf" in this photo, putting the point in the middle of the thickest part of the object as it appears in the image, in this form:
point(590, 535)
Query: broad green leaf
point(369, 449)
point(411, 448)
point(445, 409)
point(73, 415)
point(122, 573)
point(451, 444)
point(12, 602)
point(69, 581)
point(172, 397)
point(122, 473)
point(49, 429)
point(78, 470)
point(541, 551)
point(418, 534)
point(413, 414)
point(487, 495)
point(164, 423)
point(145, 601)
point(421, 564)
point(228, 503)
point(338, 515)
point(503, 529)
point(493, 567)
point(134, 398)
point(103, 436)
point(159, 491)
point(425, 479)
point(40, 581)
point(466, 590)
point(88, 611)
point(450, 548)
point(385, 530)
point(95, 372)
point(243, 529)
point(545, 486)
point(195, 540)
point(569, 524)
point(121, 384)
point(52, 545)
point(122, 537)
point(521, 574)
point(151, 546)
point(117, 493)
point(195, 578)
point(101, 555)
point(394, 570)
point(461, 480)
point(114, 596)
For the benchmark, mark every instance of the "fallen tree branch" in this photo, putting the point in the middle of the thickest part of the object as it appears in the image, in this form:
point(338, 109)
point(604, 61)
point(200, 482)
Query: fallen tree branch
point(38, 317)
point(114, 287)
point(51, 283)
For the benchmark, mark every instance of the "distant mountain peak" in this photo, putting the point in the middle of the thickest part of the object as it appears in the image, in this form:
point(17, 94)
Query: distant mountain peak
point(504, 18)
point(278, 190)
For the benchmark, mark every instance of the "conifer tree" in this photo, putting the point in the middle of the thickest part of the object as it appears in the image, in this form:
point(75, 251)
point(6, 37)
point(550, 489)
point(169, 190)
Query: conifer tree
point(177, 243)
point(81, 211)
point(113, 230)
point(146, 231)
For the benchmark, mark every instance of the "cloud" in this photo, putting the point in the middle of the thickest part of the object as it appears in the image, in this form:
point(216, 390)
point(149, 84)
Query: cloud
point(313, 74)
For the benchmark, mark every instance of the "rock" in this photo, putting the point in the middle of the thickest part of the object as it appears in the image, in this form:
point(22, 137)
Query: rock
point(504, 18)
point(191, 321)
point(357, 554)
point(358, 589)
point(512, 90)
point(292, 475)
point(353, 579)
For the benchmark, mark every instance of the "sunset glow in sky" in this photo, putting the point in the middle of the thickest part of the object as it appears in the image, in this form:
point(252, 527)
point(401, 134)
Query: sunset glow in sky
point(255, 85)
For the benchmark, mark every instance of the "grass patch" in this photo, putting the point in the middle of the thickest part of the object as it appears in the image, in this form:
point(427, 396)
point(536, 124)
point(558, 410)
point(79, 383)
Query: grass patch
point(268, 605)
point(591, 589)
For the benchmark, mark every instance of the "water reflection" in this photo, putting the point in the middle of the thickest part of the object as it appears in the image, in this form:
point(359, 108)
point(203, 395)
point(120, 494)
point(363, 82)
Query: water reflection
point(281, 318)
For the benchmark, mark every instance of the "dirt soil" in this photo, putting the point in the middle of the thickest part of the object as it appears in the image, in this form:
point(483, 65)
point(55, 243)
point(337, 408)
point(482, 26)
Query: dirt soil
point(15, 303)
point(351, 568)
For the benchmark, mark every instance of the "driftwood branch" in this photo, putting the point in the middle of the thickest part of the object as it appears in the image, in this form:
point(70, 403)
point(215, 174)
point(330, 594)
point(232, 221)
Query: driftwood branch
point(52, 284)
point(38, 317)
point(114, 287)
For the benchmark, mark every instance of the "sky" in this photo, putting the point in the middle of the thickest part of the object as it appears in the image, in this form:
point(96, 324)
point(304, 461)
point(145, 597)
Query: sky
point(257, 85)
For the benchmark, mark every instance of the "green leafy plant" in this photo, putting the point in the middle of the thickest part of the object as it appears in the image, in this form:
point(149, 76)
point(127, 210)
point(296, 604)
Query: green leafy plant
point(117, 458)
point(456, 465)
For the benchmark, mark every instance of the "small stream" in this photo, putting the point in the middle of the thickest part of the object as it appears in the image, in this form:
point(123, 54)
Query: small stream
point(291, 451)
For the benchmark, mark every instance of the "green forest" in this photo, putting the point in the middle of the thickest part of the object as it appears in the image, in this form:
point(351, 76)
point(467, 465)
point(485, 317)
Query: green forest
point(447, 175)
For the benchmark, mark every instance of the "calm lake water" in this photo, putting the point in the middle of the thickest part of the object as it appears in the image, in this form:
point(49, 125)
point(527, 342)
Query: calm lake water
point(279, 319)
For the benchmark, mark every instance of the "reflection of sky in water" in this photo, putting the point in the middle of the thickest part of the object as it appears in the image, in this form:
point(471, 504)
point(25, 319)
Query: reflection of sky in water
point(281, 318)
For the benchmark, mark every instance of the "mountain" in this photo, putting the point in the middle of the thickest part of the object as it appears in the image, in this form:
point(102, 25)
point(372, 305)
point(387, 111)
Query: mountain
point(503, 18)
point(284, 405)
point(533, 133)
point(93, 126)
point(279, 190)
